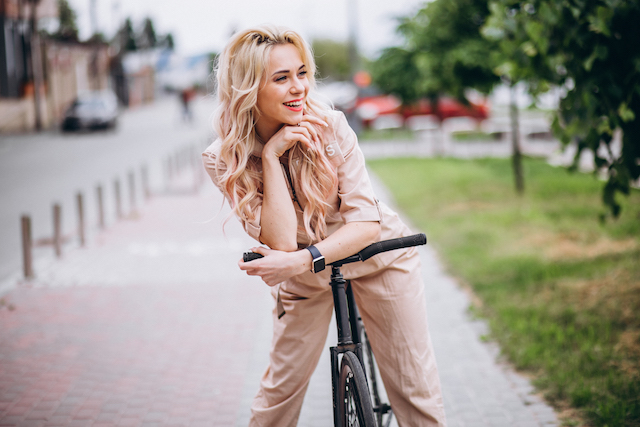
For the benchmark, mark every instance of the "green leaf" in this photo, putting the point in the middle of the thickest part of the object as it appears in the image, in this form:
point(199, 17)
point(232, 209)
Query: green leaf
point(535, 30)
point(601, 22)
point(625, 113)
point(529, 49)
point(604, 126)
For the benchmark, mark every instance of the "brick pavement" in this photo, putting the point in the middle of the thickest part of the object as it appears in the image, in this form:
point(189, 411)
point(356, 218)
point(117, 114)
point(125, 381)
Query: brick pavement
point(153, 325)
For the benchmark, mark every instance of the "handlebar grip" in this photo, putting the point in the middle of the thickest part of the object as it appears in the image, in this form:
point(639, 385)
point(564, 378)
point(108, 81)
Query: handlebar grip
point(389, 245)
point(250, 256)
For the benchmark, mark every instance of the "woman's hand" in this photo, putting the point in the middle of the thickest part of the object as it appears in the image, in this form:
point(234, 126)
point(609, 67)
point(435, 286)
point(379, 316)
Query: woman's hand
point(277, 266)
point(304, 132)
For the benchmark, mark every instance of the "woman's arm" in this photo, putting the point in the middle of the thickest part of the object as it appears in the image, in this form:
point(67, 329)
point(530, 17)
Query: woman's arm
point(278, 266)
point(278, 221)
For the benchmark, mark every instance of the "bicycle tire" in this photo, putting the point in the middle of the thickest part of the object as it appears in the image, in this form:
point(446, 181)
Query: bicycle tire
point(354, 401)
point(379, 407)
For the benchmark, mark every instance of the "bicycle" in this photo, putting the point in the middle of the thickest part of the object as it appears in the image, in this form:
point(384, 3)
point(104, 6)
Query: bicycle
point(352, 393)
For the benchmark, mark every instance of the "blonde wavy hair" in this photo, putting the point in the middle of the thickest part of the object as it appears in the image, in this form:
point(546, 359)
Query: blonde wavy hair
point(240, 73)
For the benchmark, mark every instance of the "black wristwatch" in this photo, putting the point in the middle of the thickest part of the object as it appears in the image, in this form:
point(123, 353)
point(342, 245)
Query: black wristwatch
point(318, 260)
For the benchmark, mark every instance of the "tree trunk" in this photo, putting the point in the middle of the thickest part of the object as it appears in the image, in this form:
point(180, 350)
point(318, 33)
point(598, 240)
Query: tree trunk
point(36, 65)
point(439, 146)
point(516, 155)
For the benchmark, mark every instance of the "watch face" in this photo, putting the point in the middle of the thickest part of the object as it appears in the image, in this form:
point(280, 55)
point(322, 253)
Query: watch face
point(318, 264)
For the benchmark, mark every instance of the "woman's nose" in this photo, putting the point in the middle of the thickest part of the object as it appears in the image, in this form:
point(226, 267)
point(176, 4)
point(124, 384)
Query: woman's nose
point(297, 86)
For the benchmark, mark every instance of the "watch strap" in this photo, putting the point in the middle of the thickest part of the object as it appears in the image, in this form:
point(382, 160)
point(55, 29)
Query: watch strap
point(315, 253)
point(318, 263)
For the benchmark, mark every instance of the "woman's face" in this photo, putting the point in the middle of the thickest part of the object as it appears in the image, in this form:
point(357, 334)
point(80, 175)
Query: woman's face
point(281, 98)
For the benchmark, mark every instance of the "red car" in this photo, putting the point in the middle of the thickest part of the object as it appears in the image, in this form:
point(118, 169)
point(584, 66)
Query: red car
point(369, 108)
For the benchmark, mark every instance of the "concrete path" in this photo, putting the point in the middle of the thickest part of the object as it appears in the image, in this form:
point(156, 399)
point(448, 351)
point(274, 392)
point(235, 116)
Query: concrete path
point(152, 324)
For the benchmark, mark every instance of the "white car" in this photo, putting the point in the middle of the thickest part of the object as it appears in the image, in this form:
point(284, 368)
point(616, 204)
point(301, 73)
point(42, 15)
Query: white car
point(92, 110)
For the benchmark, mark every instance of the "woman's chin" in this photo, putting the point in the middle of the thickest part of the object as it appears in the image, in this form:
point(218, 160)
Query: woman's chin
point(293, 121)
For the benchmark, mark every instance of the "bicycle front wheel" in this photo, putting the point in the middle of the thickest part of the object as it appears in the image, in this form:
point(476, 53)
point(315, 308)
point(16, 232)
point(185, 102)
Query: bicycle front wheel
point(354, 402)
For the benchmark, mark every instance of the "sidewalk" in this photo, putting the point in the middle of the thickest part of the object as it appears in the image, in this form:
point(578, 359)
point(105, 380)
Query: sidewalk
point(153, 325)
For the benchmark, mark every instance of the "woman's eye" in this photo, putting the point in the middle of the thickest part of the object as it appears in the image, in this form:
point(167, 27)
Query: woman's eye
point(302, 73)
point(280, 79)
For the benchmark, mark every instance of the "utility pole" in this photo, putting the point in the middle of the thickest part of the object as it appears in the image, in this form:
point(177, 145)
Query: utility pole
point(93, 16)
point(36, 63)
point(352, 20)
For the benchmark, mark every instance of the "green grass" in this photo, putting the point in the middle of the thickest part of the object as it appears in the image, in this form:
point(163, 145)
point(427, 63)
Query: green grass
point(561, 291)
point(398, 134)
point(474, 136)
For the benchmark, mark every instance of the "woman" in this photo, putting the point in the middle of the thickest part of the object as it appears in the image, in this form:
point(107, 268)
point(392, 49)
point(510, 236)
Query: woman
point(293, 174)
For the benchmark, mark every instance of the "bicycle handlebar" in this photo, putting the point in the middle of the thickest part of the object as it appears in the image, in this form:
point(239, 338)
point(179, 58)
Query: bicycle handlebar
point(392, 244)
point(369, 251)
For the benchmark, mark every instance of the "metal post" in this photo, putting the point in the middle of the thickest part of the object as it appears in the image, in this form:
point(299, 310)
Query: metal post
point(354, 57)
point(116, 186)
point(80, 204)
point(132, 192)
point(57, 229)
point(144, 172)
point(195, 171)
point(100, 207)
point(27, 245)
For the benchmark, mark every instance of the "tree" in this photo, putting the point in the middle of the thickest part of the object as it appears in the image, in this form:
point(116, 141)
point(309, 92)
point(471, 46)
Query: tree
point(166, 41)
point(396, 71)
point(68, 28)
point(98, 37)
point(449, 50)
point(591, 48)
point(446, 53)
point(147, 38)
point(127, 37)
point(332, 59)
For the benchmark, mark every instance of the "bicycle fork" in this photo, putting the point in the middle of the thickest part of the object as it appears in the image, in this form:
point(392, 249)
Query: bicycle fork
point(348, 330)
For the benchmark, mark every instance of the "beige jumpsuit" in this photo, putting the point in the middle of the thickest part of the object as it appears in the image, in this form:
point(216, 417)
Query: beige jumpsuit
point(388, 289)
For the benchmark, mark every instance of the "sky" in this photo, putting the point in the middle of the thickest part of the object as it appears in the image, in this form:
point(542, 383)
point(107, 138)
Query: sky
point(200, 26)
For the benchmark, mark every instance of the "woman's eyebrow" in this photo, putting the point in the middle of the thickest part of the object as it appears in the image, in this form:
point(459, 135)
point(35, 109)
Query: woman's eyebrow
point(287, 71)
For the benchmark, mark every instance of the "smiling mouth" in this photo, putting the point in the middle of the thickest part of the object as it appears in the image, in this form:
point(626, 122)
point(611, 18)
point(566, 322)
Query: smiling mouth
point(295, 105)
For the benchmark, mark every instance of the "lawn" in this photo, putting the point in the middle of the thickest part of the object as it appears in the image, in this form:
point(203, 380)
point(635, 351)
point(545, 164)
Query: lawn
point(560, 289)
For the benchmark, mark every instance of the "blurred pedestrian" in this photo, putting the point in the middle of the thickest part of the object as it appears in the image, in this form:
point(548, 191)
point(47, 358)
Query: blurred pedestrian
point(186, 95)
point(292, 171)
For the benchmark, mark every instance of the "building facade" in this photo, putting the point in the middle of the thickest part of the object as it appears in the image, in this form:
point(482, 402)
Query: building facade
point(39, 76)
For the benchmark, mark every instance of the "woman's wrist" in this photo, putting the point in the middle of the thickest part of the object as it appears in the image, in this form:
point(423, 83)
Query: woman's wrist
point(305, 259)
point(268, 155)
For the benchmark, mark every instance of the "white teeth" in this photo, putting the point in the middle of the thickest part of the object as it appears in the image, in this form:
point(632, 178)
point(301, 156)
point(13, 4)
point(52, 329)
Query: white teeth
point(293, 104)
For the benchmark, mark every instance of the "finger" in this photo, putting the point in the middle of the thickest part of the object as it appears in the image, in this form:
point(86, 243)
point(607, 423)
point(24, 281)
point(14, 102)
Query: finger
point(302, 138)
point(315, 120)
point(302, 134)
point(244, 265)
point(313, 133)
point(303, 130)
point(260, 250)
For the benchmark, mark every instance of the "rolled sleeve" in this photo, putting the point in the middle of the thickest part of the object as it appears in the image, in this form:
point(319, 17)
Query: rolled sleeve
point(357, 199)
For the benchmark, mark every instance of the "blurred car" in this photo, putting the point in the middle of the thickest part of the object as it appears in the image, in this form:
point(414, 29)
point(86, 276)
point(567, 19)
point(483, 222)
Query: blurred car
point(373, 108)
point(92, 110)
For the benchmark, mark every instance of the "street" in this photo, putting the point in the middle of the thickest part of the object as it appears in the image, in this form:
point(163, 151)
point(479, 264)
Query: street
point(38, 170)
